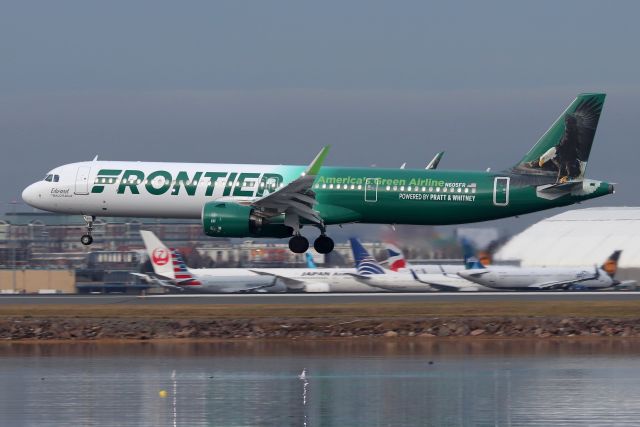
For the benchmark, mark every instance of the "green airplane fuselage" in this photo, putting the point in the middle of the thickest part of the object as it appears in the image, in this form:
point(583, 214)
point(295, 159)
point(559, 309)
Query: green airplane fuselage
point(366, 195)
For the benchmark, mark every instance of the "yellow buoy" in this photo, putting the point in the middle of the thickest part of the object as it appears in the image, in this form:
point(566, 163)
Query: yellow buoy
point(163, 393)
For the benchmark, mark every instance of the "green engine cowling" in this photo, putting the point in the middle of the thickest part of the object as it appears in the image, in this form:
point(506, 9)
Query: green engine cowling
point(228, 219)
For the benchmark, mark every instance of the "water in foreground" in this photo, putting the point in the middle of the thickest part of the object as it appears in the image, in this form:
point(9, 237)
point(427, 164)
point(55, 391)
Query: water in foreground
point(346, 383)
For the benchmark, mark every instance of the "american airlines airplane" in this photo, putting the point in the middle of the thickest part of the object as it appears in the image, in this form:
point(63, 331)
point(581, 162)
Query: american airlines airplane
point(276, 201)
point(171, 272)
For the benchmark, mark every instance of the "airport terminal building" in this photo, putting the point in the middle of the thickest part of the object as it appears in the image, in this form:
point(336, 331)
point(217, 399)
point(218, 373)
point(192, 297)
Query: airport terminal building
point(580, 237)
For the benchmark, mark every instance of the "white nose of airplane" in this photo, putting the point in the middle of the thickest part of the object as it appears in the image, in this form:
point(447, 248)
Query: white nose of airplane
point(31, 195)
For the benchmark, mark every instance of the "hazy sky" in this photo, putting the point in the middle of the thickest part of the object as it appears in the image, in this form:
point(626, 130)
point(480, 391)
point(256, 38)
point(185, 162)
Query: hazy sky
point(272, 82)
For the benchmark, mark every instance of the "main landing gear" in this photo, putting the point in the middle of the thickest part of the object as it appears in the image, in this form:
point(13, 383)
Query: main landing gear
point(323, 244)
point(87, 239)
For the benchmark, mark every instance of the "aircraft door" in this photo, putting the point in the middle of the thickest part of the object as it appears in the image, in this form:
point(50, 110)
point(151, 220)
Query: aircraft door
point(371, 190)
point(501, 191)
point(82, 180)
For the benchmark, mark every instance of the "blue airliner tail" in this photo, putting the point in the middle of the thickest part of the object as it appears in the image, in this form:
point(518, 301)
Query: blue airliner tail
point(365, 263)
point(469, 255)
point(310, 263)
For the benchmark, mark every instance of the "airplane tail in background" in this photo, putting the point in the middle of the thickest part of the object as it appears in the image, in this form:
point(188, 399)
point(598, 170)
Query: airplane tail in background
point(365, 263)
point(563, 150)
point(610, 266)
point(159, 255)
point(395, 260)
point(469, 255)
point(182, 273)
point(310, 263)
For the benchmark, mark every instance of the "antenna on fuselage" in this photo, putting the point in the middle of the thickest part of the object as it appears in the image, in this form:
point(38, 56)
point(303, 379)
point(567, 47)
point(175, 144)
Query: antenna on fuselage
point(95, 158)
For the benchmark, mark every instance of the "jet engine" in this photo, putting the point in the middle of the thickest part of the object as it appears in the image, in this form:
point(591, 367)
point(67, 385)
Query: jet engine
point(229, 219)
point(317, 287)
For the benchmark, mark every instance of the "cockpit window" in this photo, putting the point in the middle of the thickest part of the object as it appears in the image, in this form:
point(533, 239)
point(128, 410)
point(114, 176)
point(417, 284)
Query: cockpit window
point(56, 178)
point(49, 178)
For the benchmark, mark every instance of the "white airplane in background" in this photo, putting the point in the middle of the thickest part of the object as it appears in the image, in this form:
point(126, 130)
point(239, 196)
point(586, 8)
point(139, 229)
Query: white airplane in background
point(547, 278)
point(436, 272)
point(370, 271)
point(171, 272)
point(397, 262)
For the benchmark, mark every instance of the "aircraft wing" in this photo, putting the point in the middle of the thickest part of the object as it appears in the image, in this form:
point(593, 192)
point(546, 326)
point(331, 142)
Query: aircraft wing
point(434, 284)
point(158, 281)
point(296, 199)
point(563, 283)
point(288, 281)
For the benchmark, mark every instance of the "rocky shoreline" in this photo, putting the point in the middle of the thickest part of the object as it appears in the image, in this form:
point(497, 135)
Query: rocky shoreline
point(42, 329)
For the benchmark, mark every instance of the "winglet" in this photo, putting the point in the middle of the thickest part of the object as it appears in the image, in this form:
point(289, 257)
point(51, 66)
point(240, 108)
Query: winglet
point(316, 164)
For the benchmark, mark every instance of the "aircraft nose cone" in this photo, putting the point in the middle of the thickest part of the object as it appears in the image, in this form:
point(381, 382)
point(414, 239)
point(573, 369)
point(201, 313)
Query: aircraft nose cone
point(30, 195)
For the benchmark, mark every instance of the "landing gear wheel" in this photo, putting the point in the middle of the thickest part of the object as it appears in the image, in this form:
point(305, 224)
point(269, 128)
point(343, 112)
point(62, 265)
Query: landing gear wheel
point(298, 244)
point(87, 239)
point(323, 244)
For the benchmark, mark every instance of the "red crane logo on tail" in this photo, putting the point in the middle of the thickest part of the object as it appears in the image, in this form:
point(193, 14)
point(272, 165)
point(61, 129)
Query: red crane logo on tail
point(160, 256)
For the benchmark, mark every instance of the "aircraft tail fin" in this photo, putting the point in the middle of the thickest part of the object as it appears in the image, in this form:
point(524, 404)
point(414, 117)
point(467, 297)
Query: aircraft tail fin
point(365, 263)
point(395, 258)
point(310, 262)
point(563, 150)
point(181, 272)
point(159, 255)
point(469, 255)
point(610, 266)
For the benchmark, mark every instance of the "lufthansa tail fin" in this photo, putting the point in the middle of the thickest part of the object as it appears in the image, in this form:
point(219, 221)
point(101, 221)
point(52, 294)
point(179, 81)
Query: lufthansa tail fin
point(159, 254)
point(563, 150)
point(610, 266)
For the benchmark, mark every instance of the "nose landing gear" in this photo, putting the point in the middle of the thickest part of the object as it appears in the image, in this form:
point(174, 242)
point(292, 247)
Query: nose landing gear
point(87, 239)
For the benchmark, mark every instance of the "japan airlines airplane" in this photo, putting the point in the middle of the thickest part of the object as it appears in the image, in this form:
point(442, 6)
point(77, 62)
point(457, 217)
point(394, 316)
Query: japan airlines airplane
point(170, 271)
point(236, 200)
point(546, 278)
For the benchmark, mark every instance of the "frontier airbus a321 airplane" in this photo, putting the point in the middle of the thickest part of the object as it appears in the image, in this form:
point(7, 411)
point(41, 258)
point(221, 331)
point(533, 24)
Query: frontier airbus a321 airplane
point(236, 200)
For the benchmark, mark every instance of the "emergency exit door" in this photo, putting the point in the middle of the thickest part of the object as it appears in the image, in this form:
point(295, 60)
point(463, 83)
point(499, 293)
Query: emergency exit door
point(501, 191)
point(371, 190)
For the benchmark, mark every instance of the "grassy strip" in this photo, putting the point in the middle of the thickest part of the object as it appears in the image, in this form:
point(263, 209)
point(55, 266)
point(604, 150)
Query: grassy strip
point(585, 309)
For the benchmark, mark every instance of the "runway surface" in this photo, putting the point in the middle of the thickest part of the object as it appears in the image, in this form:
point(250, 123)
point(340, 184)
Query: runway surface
point(314, 298)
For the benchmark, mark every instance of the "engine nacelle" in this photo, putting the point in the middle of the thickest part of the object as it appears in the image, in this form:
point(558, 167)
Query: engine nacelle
point(317, 287)
point(229, 219)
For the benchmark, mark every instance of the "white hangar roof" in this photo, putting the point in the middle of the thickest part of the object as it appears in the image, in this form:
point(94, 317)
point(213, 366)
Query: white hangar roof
point(578, 237)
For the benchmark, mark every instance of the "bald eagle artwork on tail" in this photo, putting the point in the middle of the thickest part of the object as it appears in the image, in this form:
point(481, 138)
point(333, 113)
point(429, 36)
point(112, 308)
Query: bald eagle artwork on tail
point(574, 132)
